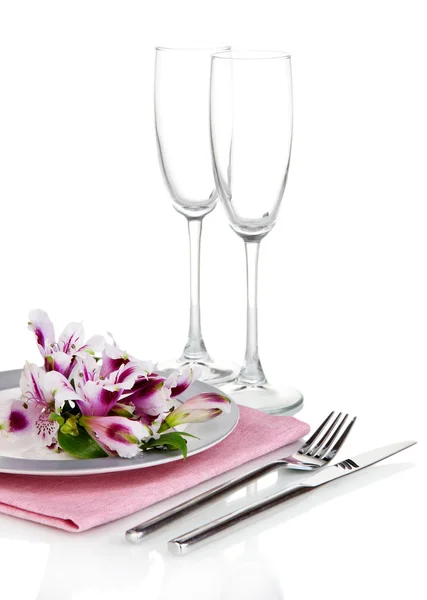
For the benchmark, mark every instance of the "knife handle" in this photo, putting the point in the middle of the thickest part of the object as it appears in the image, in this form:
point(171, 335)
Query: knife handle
point(186, 542)
point(137, 533)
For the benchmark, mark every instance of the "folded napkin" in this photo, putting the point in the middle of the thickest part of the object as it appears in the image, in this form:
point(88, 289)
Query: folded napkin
point(77, 503)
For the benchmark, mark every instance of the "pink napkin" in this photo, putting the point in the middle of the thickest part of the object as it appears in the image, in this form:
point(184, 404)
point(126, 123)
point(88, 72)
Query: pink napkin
point(79, 503)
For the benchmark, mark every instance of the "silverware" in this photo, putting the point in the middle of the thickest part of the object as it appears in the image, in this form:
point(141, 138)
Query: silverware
point(317, 452)
point(186, 542)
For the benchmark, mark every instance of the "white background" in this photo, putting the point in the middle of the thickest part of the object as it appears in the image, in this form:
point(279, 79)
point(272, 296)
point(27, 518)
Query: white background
point(88, 233)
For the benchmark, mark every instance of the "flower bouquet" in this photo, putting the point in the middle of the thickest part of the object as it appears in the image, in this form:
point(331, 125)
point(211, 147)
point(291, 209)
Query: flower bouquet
point(91, 399)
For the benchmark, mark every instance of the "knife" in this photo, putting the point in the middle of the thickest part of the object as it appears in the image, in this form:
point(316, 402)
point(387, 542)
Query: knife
point(186, 542)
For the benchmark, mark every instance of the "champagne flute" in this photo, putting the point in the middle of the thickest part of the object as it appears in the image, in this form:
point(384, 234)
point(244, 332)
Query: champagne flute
point(251, 136)
point(182, 130)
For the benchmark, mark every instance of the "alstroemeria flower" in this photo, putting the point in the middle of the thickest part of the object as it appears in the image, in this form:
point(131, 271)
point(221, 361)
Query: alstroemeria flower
point(84, 369)
point(71, 340)
point(180, 380)
point(93, 397)
point(125, 376)
point(116, 435)
point(119, 400)
point(42, 326)
point(29, 419)
point(97, 396)
point(113, 358)
point(149, 395)
point(59, 361)
point(95, 400)
point(198, 409)
point(48, 390)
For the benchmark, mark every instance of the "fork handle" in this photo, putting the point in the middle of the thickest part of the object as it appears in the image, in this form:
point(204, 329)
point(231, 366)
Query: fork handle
point(137, 533)
point(186, 542)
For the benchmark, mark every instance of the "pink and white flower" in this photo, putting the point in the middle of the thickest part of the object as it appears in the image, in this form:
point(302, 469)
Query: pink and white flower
point(96, 400)
point(71, 340)
point(43, 329)
point(125, 376)
point(113, 358)
point(198, 409)
point(117, 435)
point(59, 361)
point(48, 390)
point(96, 396)
point(149, 396)
point(29, 419)
point(116, 398)
point(180, 380)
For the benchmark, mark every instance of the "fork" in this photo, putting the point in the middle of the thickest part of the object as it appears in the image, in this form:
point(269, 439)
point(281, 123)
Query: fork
point(316, 452)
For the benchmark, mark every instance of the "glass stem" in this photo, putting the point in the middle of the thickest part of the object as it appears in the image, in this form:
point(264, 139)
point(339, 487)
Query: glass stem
point(195, 349)
point(252, 373)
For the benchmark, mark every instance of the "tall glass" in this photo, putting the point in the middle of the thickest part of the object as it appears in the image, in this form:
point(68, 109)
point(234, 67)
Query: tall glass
point(251, 136)
point(182, 129)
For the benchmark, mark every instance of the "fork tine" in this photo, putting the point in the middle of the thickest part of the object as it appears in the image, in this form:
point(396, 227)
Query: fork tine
point(317, 432)
point(321, 443)
point(331, 453)
point(322, 449)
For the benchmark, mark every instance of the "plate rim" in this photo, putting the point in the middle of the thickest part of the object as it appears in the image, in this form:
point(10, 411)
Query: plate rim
point(16, 465)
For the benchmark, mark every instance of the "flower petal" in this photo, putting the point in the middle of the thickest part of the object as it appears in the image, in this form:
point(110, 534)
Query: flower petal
point(58, 361)
point(198, 409)
point(125, 377)
point(150, 396)
point(113, 358)
point(72, 338)
point(94, 344)
point(59, 389)
point(31, 421)
point(46, 429)
point(32, 384)
point(42, 326)
point(117, 435)
point(180, 380)
point(85, 369)
point(22, 417)
point(97, 400)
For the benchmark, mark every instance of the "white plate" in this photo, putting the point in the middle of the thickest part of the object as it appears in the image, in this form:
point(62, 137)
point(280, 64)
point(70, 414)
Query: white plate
point(209, 434)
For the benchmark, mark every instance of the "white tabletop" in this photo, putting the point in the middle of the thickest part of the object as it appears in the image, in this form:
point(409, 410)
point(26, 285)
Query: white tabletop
point(355, 537)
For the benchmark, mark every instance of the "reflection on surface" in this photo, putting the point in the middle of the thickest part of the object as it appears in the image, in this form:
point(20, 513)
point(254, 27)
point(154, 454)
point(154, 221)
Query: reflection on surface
point(104, 566)
point(251, 581)
point(19, 557)
point(267, 481)
point(130, 584)
point(273, 524)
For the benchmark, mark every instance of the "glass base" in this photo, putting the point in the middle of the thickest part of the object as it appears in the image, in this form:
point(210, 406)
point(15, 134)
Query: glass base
point(213, 372)
point(266, 398)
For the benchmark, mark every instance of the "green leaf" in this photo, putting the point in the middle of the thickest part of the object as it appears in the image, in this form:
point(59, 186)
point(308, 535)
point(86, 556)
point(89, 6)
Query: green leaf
point(188, 434)
point(56, 417)
point(170, 441)
point(80, 446)
point(165, 426)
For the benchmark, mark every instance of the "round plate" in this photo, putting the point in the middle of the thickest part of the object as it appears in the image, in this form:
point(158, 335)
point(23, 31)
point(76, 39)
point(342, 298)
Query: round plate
point(209, 434)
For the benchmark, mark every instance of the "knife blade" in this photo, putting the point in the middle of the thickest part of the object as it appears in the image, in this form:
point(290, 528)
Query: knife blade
point(186, 542)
